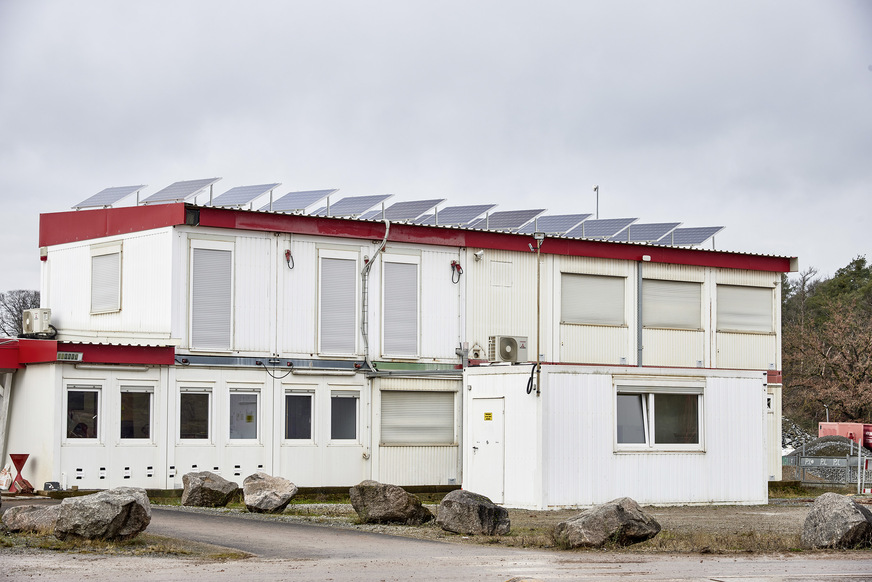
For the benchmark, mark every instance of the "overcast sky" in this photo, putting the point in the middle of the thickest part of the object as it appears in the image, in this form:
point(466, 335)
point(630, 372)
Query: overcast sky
point(755, 115)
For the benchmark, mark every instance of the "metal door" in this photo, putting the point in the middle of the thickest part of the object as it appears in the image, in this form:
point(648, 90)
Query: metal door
point(486, 454)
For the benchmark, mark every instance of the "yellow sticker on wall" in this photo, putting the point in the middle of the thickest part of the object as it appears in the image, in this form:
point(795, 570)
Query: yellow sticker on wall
point(488, 415)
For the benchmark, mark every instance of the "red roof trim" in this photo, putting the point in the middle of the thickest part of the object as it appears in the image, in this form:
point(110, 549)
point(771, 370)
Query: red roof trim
point(64, 227)
point(112, 354)
point(73, 226)
point(9, 356)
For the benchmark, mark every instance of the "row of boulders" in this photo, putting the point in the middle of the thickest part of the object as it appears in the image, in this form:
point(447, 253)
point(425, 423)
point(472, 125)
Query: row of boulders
point(115, 514)
point(261, 493)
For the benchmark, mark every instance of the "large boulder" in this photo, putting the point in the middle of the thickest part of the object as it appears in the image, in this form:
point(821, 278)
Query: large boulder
point(621, 521)
point(206, 489)
point(31, 518)
point(377, 502)
point(266, 494)
point(465, 512)
point(116, 514)
point(836, 521)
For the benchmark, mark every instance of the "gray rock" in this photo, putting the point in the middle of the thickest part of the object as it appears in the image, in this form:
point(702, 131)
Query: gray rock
point(116, 514)
point(266, 494)
point(377, 502)
point(836, 521)
point(621, 521)
point(465, 512)
point(31, 518)
point(206, 489)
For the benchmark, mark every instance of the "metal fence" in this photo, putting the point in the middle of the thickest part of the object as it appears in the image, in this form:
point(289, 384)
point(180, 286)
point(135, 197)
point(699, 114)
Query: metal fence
point(838, 471)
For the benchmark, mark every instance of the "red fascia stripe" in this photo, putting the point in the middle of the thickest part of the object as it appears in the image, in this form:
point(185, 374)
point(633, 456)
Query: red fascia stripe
point(35, 351)
point(111, 354)
point(64, 227)
point(9, 356)
point(417, 234)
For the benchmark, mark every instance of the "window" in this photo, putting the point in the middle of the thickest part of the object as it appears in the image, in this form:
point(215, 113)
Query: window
point(592, 299)
point(194, 415)
point(298, 416)
point(136, 411)
point(83, 412)
point(400, 309)
point(745, 309)
point(417, 417)
point(338, 309)
point(671, 304)
point(211, 296)
point(658, 418)
point(343, 415)
point(243, 415)
point(106, 278)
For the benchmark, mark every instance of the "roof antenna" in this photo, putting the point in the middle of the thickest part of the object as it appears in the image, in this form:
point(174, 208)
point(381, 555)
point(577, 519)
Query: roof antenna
point(596, 189)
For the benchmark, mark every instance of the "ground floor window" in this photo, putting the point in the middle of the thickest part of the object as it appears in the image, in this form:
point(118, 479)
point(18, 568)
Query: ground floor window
point(298, 416)
point(658, 418)
point(343, 415)
point(83, 412)
point(417, 417)
point(136, 413)
point(194, 415)
point(243, 415)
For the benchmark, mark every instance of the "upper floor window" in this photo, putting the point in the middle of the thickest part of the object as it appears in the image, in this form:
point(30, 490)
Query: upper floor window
point(400, 308)
point(338, 303)
point(671, 304)
point(106, 278)
point(743, 308)
point(211, 295)
point(592, 299)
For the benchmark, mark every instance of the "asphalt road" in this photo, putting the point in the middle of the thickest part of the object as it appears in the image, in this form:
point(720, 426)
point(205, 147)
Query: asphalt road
point(290, 551)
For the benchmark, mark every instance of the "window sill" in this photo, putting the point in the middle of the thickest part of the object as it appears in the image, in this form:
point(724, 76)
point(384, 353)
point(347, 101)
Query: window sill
point(591, 324)
point(746, 332)
point(661, 328)
point(654, 451)
point(417, 444)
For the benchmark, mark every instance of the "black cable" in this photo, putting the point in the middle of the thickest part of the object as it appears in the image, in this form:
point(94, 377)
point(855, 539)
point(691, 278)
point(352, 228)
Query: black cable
point(530, 381)
point(455, 267)
point(273, 375)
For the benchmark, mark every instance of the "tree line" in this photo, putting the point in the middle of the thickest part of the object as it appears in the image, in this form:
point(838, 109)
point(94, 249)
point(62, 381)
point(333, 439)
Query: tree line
point(827, 345)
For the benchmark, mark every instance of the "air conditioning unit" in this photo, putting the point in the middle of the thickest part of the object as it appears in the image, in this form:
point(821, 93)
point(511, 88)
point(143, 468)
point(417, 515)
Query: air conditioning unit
point(36, 321)
point(507, 348)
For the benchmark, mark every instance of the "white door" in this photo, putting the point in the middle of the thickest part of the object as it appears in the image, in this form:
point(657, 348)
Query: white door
point(486, 455)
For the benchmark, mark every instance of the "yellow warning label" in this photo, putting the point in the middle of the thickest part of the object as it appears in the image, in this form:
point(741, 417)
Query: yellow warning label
point(488, 415)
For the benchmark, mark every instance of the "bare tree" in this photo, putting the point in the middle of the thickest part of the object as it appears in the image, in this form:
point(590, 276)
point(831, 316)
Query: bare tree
point(12, 306)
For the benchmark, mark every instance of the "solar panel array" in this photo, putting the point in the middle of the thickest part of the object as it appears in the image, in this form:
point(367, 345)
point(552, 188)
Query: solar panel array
point(242, 195)
point(456, 215)
point(299, 201)
point(353, 205)
point(690, 236)
point(108, 196)
point(404, 210)
point(507, 219)
point(554, 224)
point(651, 232)
point(602, 228)
point(180, 191)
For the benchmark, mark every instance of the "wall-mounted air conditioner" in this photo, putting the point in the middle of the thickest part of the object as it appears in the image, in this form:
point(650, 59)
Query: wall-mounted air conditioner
point(507, 348)
point(36, 321)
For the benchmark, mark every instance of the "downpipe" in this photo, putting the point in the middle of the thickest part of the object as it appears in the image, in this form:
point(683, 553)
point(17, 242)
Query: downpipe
point(364, 296)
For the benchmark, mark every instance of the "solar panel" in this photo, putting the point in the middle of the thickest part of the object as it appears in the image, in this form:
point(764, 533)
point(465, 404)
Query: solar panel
point(353, 205)
point(651, 232)
point(554, 224)
point(108, 196)
point(601, 228)
point(242, 195)
point(690, 236)
point(409, 210)
point(507, 219)
point(299, 201)
point(456, 215)
point(180, 191)
point(370, 215)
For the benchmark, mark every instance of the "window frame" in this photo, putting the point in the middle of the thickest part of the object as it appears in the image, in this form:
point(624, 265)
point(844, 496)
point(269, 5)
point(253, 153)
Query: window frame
point(106, 250)
point(87, 386)
point(209, 420)
point(137, 389)
point(353, 330)
point(771, 309)
point(413, 443)
point(307, 392)
point(250, 391)
point(213, 245)
point(677, 326)
point(612, 322)
point(649, 390)
point(400, 260)
point(345, 393)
